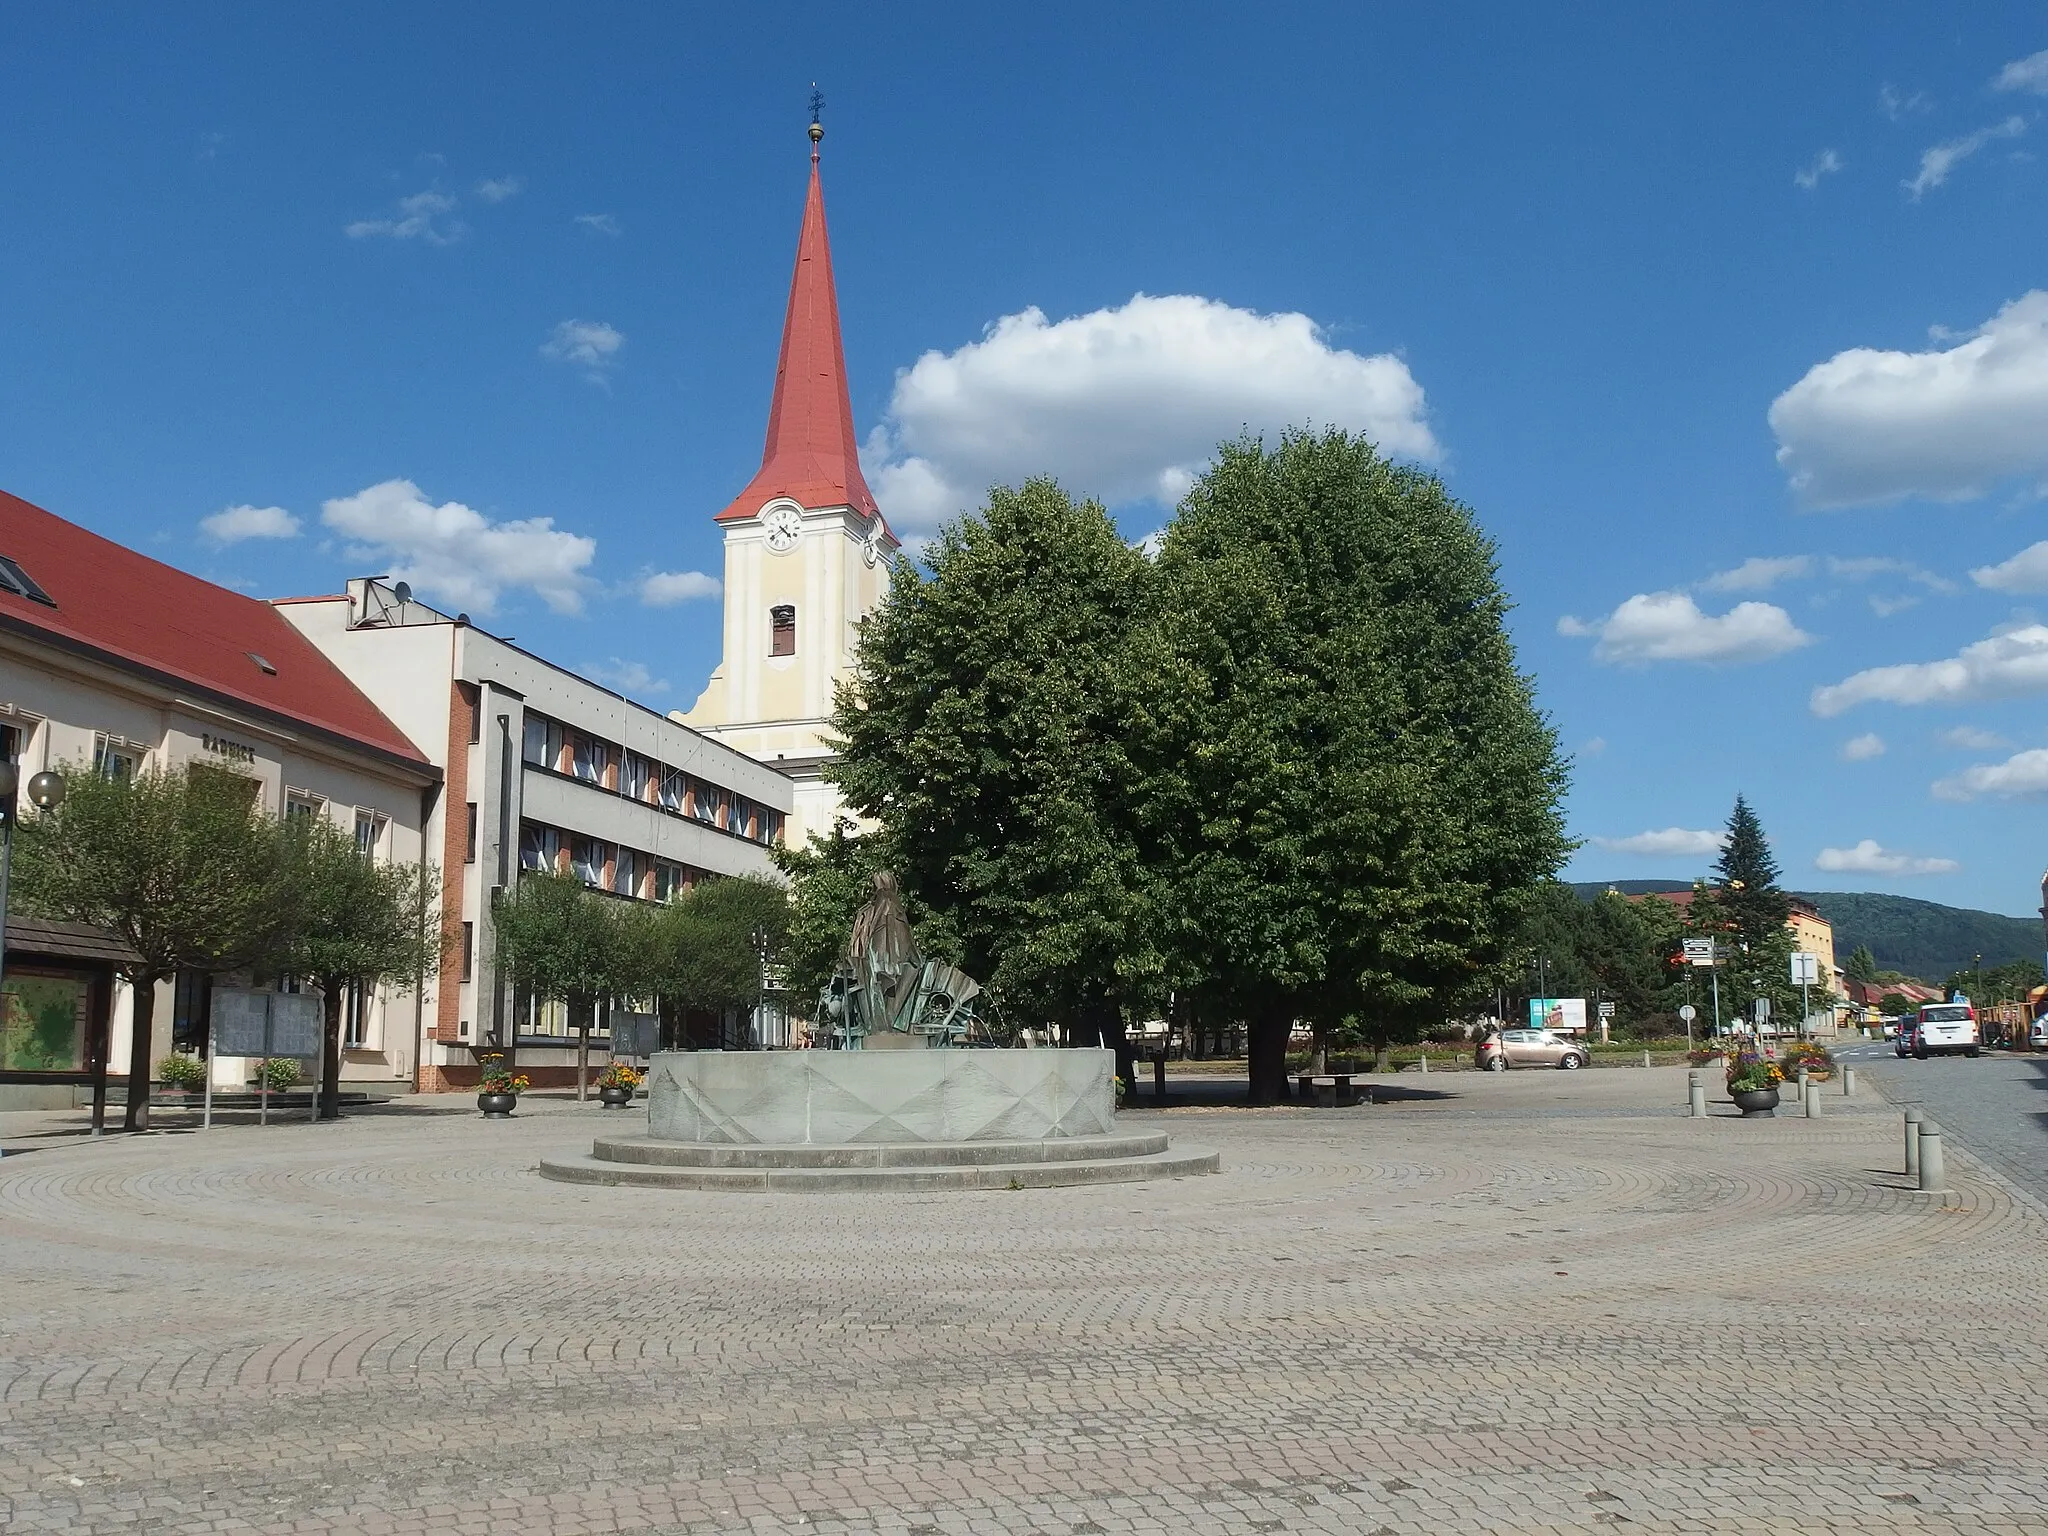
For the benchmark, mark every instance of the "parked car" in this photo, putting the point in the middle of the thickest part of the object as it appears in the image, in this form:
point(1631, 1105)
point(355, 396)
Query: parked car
point(2037, 1035)
point(1532, 1048)
point(1902, 1038)
point(1943, 1029)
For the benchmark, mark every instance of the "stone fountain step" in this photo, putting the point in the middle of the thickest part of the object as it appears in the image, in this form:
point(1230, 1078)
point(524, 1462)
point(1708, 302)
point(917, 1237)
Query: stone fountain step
point(922, 1154)
point(877, 1178)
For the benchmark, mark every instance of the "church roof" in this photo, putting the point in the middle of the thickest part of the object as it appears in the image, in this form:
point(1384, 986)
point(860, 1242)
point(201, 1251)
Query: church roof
point(812, 455)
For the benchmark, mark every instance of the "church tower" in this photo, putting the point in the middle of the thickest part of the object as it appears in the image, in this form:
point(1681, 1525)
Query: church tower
point(806, 548)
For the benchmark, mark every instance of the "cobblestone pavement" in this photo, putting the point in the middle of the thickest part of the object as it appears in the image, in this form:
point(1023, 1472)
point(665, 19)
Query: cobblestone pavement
point(1997, 1105)
point(1545, 1302)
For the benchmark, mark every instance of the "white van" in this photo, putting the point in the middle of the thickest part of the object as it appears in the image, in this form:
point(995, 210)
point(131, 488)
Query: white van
point(1943, 1029)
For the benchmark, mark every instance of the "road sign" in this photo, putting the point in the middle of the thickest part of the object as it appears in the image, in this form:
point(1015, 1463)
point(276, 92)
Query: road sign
point(1607, 1010)
point(1761, 1008)
point(1688, 1013)
point(1805, 969)
point(1699, 951)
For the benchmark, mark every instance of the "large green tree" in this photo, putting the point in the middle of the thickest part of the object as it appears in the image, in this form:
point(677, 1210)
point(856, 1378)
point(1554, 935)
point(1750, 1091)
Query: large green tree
point(179, 863)
point(1745, 884)
point(990, 743)
point(563, 943)
point(710, 944)
point(354, 923)
point(1354, 794)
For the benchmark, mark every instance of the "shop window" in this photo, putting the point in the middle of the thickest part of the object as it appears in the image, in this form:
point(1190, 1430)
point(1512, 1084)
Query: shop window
point(782, 630)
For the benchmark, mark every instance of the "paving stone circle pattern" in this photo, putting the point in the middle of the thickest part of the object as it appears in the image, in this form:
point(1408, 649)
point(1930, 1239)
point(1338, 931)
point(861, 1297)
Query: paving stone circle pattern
point(1539, 1302)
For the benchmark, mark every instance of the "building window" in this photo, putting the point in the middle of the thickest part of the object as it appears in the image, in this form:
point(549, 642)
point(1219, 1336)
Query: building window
point(782, 630)
point(669, 880)
point(634, 778)
point(114, 758)
point(355, 1017)
point(300, 806)
point(370, 832)
point(469, 951)
point(540, 848)
point(704, 803)
point(14, 579)
point(590, 759)
point(533, 745)
point(675, 790)
point(469, 835)
point(626, 874)
point(771, 826)
point(587, 860)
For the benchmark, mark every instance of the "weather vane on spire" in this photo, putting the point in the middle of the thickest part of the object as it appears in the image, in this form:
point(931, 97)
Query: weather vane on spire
point(817, 128)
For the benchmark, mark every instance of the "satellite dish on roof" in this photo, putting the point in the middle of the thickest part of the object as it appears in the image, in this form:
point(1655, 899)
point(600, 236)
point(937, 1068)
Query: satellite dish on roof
point(403, 591)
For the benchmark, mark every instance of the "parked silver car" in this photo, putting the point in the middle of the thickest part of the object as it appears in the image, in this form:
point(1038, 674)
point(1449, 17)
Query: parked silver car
point(1530, 1048)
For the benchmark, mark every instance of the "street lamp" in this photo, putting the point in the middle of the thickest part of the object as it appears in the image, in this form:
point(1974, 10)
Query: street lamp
point(46, 793)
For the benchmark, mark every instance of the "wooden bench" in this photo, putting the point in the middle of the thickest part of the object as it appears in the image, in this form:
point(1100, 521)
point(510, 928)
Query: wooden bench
point(1330, 1089)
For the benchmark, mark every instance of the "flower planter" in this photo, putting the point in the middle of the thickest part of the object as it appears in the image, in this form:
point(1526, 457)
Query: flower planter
point(615, 1098)
point(497, 1106)
point(1756, 1101)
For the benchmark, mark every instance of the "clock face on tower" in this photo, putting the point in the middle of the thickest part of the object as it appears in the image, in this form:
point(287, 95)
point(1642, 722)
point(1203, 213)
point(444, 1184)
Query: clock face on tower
point(783, 527)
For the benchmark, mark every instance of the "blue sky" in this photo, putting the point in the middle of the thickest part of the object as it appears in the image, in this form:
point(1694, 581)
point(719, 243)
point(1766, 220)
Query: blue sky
point(1661, 291)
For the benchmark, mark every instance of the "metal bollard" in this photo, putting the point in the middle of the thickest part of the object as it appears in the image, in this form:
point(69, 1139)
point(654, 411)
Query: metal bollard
point(1933, 1168)
point(1646, 1058)
point(1696, 1099)
point(1848, 1082)
point(1802, 1081)
point(1913, 1119)
point(1810, 1097)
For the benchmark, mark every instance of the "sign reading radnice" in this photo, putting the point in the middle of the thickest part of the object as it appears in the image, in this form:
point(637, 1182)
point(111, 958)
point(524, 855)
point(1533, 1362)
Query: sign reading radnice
point(233, 751)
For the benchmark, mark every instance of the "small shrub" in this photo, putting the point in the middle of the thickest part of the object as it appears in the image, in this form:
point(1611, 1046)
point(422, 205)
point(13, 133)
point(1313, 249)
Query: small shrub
point(182, 1071)
point(280, 1072)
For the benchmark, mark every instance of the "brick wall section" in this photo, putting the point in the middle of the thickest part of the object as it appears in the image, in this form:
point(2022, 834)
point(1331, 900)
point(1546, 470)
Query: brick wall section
point(462, 708)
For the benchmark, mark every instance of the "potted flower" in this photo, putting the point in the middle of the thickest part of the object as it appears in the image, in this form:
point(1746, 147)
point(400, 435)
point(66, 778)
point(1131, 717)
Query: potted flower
point(498, 1088)
point(1753, 1084)
point(184, 1072)
point(1820, 1066)
point(615, 1085)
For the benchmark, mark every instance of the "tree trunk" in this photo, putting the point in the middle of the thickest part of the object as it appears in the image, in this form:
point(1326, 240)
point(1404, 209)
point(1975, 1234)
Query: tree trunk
point(1118, 1039)
point(141, 1044)
point(1319, 1059)
point(1382, 1057)
point(1267, 1052)
point(332, 990)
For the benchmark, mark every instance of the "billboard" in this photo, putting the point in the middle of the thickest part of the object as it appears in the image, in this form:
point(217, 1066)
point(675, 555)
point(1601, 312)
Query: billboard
point(1566, 1015)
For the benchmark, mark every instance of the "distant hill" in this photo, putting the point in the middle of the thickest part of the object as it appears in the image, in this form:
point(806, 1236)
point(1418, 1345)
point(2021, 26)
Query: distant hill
point(1921, 938)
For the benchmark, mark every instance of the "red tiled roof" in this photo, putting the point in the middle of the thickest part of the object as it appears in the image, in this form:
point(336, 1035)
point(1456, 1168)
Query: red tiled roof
point(121, 605)
point(812, 455)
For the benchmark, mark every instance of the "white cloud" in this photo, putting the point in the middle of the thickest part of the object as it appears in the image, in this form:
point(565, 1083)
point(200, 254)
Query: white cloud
point(1871, 426)
point(664, 589)
point(1937, 161)
point(2004, 666)
point(1898, 106)
point(1826, 163)
point(2026, 571)
point(1672, 842)
point(2028, 74)
point(1126, 403)
point(629, 677)
point(420, 217)
point(459, 554)
point(1862, 567)
point(2023, 776)
point(1668, 626)
point(498, 188)
point(1594, 746)
point(1859, 749)
point(1759, 573)
point(1868, 858)
point(1970, 738)
point(590, 345)
point(599, 223)
point(1885, 607)
point(231, 525)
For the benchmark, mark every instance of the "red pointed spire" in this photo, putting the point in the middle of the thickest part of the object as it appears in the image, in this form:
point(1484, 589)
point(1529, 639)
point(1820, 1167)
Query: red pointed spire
point(812, 455)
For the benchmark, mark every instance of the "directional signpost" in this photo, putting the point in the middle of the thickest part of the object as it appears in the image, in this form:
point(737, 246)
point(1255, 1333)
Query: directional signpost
point(1806, 972)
